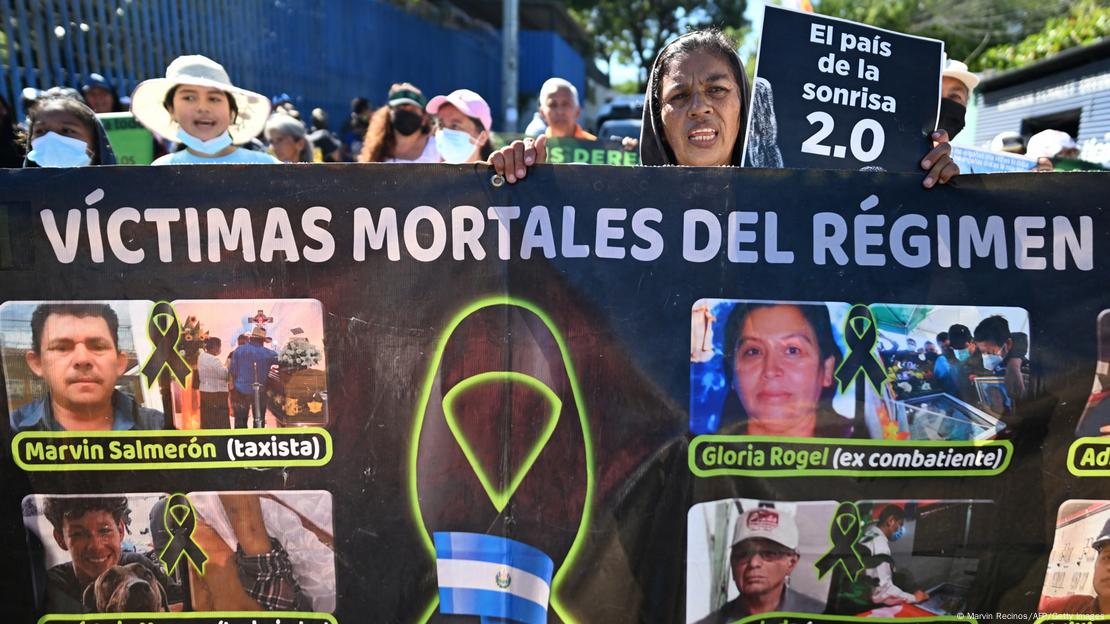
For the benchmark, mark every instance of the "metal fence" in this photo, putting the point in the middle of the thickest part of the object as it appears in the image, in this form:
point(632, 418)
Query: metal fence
point(320, 52)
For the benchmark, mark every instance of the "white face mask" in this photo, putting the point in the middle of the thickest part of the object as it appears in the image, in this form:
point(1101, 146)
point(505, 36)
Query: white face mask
point(454, 145)
point(991, 361)
point(210, 147)
point(55, 150)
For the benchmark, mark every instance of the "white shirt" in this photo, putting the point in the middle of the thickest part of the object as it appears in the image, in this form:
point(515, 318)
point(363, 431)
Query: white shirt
point(429, 155)
point(886, 592)
point(240, 156)
point(213, 375)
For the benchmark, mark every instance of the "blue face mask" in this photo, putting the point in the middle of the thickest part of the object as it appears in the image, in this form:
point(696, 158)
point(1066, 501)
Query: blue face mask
point(454, 145)
point(897, 535)
point(55, 150)
point(962, 354)
point(991, 361)
point(210, 147)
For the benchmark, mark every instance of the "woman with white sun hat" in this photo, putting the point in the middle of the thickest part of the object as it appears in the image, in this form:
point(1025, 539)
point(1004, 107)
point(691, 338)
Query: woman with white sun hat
point(197, 105)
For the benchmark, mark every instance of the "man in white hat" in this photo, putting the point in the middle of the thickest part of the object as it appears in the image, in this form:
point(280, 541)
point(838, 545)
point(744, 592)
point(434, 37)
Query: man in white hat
point(956, 85)
point(764, 553)
point(957, 82)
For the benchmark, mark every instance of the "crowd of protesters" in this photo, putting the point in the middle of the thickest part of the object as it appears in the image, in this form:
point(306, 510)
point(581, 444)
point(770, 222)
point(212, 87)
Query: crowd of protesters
point(695, 108)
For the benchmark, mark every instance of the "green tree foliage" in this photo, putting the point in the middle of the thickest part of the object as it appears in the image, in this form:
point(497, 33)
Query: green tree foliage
point(968, 27)
point(633, 31)
point(1087, 22)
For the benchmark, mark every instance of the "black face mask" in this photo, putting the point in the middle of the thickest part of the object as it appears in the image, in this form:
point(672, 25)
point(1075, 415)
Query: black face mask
point(951, 117)
point(406, 122)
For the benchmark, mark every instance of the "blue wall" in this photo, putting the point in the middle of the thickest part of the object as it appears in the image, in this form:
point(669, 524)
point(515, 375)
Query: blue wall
point(543, 55)
point(321, 52)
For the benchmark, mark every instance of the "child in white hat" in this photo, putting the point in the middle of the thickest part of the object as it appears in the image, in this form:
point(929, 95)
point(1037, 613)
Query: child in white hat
point(196, 104)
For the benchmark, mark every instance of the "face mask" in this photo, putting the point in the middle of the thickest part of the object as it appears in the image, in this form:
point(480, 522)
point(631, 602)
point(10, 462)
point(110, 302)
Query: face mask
point(962, 354)
point(209, 147)
point(455, 146)
point(951, 117)
point(55, 150)
point(991, 361)
point(897, 535)
point(405, 121)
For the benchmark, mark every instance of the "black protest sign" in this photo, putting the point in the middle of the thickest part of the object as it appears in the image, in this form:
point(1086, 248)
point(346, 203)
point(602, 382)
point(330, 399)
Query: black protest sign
point(834, 94)
point(583, 392)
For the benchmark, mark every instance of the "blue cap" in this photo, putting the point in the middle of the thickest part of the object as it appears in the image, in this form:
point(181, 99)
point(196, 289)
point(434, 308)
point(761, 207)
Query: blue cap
point(281, 99)
point(95, 81)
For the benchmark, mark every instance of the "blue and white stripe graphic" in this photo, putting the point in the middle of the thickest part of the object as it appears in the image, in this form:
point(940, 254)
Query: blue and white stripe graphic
point(493, 577)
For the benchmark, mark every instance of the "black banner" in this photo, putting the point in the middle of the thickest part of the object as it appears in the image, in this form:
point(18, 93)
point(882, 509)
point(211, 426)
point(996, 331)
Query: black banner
point(584, 366)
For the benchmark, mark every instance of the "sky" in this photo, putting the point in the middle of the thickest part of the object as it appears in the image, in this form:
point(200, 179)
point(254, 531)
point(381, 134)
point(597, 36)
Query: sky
point(754, 12)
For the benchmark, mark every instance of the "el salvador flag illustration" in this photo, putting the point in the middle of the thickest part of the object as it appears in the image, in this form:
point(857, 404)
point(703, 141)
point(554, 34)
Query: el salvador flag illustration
point(494, 577)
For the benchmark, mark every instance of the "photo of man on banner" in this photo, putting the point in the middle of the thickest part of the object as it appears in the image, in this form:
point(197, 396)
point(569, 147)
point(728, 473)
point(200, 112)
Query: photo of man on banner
point(74, 367)
point(227, 551)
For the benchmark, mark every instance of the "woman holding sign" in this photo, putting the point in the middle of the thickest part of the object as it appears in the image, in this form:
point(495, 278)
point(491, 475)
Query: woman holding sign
point(694, 114)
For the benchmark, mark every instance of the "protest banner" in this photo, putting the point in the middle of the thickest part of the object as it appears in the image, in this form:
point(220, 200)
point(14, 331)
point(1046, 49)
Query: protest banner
point(833, 94)
point(601, 394)
point(131, 141)
point(562, 151)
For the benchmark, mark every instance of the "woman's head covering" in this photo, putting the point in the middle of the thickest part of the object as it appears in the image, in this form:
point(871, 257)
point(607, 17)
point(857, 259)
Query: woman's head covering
point(654, 149)
point(147, 102)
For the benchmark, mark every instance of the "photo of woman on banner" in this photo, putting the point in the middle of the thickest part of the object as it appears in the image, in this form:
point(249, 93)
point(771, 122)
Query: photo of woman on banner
point(695, 113)
point(781, 360)
point(777, 361)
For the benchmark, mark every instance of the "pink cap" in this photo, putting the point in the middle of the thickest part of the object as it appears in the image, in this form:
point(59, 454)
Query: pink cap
point(470, 103)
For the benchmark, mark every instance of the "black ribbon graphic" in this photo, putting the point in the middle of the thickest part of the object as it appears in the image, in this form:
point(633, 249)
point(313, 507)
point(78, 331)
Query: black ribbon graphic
point(165, 345)
point(862, 334)
point(844, 533)
point(180, 520)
